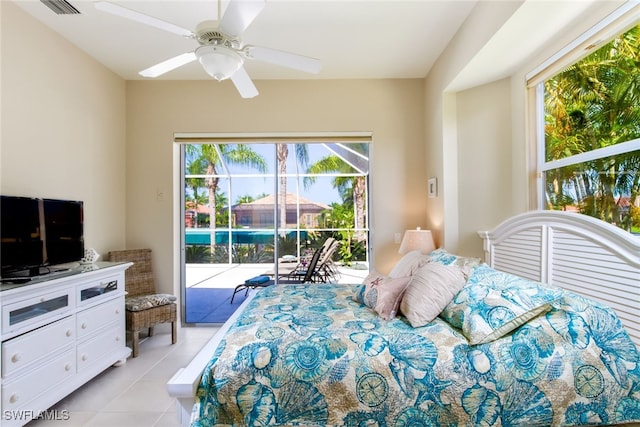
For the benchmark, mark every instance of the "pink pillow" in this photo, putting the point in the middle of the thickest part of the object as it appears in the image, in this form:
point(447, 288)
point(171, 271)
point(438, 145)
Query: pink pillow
point(382, 294)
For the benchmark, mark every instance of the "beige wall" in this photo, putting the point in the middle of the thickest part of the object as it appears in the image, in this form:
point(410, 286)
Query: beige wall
point(390, 109)
point(63, 126)
point(483, 149)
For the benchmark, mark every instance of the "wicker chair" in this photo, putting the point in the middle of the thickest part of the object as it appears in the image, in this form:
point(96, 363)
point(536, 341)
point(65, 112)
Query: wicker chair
point(144, 307)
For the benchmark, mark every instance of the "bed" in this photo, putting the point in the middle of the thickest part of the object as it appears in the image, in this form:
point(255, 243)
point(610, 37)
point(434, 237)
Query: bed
point(498, 347)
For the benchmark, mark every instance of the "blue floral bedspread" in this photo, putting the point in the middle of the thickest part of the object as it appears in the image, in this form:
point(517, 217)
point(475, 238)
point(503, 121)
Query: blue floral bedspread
point(309, 355)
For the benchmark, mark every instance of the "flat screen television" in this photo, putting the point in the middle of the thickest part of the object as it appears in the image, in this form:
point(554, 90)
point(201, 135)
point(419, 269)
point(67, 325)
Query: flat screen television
point(21, 245)
point(38, 234)
point(64, 227)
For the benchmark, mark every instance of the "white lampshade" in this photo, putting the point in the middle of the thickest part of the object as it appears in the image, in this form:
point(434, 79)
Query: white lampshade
point(218, 61)
point(417, 240)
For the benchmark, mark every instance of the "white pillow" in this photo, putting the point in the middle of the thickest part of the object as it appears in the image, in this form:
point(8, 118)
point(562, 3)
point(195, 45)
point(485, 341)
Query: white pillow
point(430, 290)
point(408, 264)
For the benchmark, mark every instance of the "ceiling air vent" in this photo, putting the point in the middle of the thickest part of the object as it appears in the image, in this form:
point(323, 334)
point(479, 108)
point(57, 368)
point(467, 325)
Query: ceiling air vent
point(61, 7)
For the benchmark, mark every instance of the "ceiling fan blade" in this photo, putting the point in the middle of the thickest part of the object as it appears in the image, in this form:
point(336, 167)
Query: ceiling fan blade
point(168, 65)
point(114, 9)
point(243, 83)
point(284, 59)
point(239, 15)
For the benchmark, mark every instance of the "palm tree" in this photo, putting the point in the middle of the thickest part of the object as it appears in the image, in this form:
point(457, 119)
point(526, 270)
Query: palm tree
point(195, 166)
point(282, 152)
point(352, 188)
point(247, 198)
point(593, 104)
point(212, 156)
point(222, 202)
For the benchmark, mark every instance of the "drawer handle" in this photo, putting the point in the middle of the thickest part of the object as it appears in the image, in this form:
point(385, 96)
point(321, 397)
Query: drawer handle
point(13, 398)
point(117, 338)
point(69, 332)
point(67, 367)
point(42, 299)
point(117, 311)
point(84, 357)
point(83, 326)
point(15, 358)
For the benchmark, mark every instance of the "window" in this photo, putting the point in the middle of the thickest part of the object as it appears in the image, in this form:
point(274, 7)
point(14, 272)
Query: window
point(588, 116)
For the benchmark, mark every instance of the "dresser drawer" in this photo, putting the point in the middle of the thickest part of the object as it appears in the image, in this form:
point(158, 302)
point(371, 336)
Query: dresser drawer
point(35, 311)
point(102, 344)
point(24, 349)
point(41, 378)
point(93, 319)
point(99, 290)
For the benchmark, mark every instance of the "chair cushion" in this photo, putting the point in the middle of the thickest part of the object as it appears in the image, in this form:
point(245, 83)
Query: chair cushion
point(144, 302)
point(257, 280)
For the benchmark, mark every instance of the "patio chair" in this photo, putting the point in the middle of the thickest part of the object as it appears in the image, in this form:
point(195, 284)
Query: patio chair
point(144, 308)
point(327, 243)
point(327, 269)
point(261, 281)
point(308, 273)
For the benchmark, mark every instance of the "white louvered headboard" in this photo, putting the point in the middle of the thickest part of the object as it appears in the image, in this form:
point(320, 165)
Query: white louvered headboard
point(575, 252)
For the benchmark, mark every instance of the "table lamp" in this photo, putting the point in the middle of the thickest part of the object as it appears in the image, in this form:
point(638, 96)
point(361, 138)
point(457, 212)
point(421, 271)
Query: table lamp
point(417, 239)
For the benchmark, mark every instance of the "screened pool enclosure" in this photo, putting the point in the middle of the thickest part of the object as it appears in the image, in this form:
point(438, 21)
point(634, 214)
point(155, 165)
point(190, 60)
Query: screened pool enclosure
point(251, 203)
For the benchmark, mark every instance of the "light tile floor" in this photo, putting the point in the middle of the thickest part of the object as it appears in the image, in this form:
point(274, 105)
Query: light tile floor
point(134, 394)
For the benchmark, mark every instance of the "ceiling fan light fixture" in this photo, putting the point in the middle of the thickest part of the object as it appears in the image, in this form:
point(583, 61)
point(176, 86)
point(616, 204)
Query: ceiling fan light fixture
point(218, 61)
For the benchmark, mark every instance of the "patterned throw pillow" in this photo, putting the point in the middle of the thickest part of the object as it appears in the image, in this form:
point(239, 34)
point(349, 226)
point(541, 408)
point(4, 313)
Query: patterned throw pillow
point(145, 302)
point(381, 293)
point(430, 289)
point(494, 303)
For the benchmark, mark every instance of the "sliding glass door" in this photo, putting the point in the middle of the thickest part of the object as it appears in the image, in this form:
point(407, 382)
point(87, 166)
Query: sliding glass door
point(260, 208)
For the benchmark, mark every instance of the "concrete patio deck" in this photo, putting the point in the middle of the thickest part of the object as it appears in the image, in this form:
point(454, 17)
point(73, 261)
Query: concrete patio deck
point(231, 275)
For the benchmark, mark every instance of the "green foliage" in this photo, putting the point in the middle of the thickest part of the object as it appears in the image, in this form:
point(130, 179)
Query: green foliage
point(634, 216)
point(287, 244)
point(197, 254)
point(222, 203)
point(220, 255)
point(252, 253)
point(341, 218)
point(593, 104)
point(247, 198)
point(352, 189)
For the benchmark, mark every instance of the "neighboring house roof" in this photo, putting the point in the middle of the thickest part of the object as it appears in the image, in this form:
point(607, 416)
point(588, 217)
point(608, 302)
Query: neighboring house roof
point(202, 209)
point(290, 200)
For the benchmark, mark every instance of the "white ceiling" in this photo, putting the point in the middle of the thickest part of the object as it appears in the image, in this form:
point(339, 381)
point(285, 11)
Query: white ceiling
point(352, 38)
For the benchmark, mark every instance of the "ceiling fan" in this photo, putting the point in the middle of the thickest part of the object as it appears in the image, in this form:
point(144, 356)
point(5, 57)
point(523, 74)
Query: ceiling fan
point(221, 52)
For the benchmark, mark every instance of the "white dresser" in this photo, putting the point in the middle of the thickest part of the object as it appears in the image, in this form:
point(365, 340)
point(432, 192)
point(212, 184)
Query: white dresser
point(58, 332)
